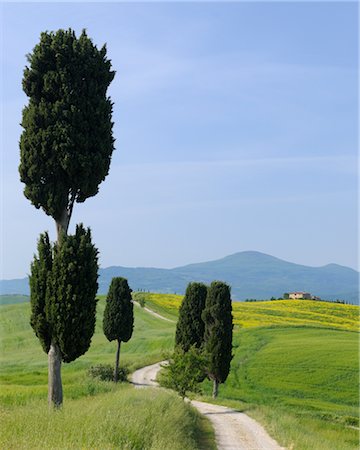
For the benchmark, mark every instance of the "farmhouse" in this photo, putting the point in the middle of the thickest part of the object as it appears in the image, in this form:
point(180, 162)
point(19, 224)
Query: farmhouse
point(300, 296)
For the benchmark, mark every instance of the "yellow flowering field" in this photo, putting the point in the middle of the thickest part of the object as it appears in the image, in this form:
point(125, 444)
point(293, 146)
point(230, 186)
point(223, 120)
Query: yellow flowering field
point(273, 313)
point(165, 304)
point(296, 312)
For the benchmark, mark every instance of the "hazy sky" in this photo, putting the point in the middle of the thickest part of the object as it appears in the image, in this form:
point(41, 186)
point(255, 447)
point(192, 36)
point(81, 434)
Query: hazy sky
point(236, 129)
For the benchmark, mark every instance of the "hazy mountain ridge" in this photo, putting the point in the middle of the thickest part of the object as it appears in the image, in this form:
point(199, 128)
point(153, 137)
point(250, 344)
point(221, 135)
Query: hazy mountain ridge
point(250, 274)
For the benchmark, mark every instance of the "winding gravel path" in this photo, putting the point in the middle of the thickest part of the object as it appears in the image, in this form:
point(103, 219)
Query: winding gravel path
point(233, 430)
point(153, 313)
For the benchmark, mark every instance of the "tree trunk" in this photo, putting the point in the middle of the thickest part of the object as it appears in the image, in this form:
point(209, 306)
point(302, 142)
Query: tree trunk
point(215, 388)
point(116, 372)
point(55, 394)
point(62, 224)
point(55, 391)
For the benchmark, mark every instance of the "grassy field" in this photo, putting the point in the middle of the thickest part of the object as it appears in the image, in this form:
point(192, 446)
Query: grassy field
point(125, 418)
point(23, 365)
point(96, 414)
point(11, 299)
point(295, 368)
point(271, 313)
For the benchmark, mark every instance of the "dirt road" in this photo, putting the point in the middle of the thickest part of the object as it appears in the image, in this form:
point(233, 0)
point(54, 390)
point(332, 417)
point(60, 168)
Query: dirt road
point(233, 430)
point(146, 376)
point(153, 313)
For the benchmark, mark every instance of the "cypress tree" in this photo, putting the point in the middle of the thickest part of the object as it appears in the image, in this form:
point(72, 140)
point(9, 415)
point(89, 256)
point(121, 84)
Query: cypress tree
point(118, 322)
point(63, 286)
point(65, 153)
point(71, 303)
point(190, 326)
point(218, 333)
point(67, 142)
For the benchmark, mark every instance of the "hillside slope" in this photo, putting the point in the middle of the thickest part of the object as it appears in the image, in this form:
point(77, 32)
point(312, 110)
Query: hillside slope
point(295, 368)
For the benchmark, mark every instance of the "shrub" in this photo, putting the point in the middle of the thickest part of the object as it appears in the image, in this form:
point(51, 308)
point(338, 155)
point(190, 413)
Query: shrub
point(185, 371)
point(105, 372)
point(351, 421)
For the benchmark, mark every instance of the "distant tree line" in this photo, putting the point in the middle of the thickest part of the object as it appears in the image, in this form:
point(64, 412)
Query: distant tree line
point(344, 302)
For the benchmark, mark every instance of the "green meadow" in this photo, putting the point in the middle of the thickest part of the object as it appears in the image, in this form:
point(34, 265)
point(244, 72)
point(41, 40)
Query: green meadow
point(295, 369)
point(23, 364)
point(11, 299)
point(96, 414)
point(123, 418)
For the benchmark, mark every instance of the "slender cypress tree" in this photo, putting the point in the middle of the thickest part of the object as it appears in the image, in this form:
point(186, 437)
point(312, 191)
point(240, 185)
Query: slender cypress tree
point(190, 326)
point(65, 150)
point(63, 286)
point(218, 333)
point(71, 306)
point(67, 142)
point(118, 322)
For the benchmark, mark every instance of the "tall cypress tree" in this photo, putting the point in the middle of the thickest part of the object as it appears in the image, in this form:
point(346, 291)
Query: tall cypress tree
point(190, 326)
point(67, 142)
point(63, 286)
point(217, 316)
point(118, 322)
point(65, 149)
point(71, 302)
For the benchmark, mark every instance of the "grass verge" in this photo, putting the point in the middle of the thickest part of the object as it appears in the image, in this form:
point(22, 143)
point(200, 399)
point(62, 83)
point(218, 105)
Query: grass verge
point(295, 369)
point(126, 418)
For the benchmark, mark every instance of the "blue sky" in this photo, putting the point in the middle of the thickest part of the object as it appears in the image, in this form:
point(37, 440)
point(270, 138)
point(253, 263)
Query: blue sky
point(236, 129)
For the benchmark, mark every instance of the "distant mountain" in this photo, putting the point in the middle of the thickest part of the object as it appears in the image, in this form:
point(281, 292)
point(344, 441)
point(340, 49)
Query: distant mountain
point(250, 274)
point(18, 286)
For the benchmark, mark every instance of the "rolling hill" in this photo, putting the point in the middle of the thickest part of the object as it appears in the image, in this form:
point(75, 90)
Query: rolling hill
point(295, 368)
point(250, 274)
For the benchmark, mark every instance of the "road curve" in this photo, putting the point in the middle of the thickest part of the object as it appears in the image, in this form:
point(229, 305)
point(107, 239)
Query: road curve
point(153, 313)
point(233, 430)
point(146, 376)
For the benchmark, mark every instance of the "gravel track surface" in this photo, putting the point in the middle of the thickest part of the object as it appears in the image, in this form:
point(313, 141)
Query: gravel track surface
point(153, 313)
point(233, 430)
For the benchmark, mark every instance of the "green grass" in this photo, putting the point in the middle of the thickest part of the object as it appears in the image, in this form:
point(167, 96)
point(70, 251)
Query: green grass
point(23, 364)
point(125, 418)
point(95, 415)
point(297, 377)
point(11, 299)
point(295, 368)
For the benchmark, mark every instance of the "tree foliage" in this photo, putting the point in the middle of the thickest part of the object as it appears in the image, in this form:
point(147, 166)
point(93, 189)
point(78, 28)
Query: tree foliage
point(190, 326)
point(63, 286)
point(185, 371)
point(41, 269)
point(67, 142)
point(217, 316)
point(118, 322)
